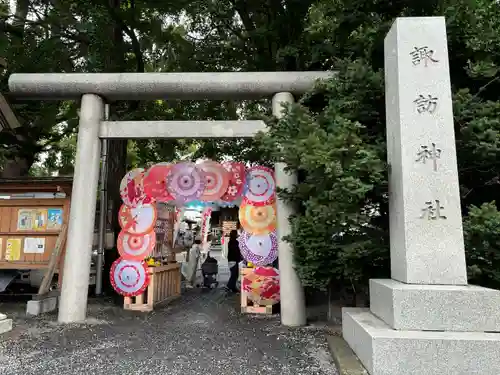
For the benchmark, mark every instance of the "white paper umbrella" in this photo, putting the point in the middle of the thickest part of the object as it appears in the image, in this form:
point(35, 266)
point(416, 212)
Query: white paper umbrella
point(260, 186)
point(129, 278)
point(137, 220)
point(261, 249)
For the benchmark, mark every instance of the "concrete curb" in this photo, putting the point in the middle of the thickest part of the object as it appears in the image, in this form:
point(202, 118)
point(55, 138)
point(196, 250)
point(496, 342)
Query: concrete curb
point(346, 361)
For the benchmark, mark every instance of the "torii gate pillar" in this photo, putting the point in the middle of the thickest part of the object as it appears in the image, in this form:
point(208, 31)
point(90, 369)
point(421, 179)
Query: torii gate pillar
point(293, 306)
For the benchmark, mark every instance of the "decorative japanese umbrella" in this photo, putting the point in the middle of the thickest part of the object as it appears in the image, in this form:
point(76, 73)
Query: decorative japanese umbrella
point(257, 219)
point(260, 186)
point(155, 182)
point(136, 246)
point(262, 286)
point(129, 277)
point(137, 220)
point(236, 181)
point(132, 188)
point(260, 249)
point(216, 180)
point(185, 182)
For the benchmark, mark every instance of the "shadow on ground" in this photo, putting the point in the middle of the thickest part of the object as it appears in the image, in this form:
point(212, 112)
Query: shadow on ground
point(202, 333)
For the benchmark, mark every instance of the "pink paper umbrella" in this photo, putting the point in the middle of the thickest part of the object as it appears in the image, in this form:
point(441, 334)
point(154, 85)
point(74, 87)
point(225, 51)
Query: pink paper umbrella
point(216, 180)
point(185, 182)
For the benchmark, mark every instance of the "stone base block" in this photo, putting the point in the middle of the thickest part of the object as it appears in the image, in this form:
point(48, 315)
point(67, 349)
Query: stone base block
point(464, 308)
point(385, 351)
point(41, 306)
point(5, 324)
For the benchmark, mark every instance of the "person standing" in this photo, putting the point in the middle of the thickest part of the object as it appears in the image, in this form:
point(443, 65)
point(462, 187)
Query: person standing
point(194, 256)
point(233, 258)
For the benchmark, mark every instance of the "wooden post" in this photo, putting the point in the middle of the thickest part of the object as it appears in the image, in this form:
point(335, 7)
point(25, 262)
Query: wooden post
point(54, 257)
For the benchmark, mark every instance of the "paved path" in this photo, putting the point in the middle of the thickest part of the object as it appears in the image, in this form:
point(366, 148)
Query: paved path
point(202, 333)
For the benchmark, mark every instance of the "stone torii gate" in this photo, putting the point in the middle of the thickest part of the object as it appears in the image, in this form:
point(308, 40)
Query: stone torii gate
point(96, 88)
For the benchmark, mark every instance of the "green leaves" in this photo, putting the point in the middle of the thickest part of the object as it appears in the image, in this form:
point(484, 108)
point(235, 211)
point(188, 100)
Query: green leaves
point(340, 169)
point(482, 240)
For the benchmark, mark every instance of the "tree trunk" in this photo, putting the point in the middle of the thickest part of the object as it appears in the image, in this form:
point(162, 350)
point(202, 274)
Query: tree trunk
point(117, 148)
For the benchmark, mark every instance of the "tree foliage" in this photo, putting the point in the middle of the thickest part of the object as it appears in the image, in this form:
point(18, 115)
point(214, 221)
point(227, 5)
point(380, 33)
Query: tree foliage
point(335, 140)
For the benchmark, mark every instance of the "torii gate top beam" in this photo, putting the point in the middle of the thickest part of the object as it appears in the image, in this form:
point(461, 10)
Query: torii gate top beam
point(144, 86)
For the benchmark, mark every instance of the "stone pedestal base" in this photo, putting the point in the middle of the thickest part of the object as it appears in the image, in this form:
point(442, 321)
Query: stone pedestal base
point(466, 308)
point(5, 324)
point(385, 351)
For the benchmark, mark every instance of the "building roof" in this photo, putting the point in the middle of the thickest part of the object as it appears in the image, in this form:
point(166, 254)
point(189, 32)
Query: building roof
point(38, 184)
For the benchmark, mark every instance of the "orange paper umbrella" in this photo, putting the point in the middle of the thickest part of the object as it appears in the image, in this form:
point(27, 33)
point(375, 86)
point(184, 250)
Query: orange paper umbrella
point(258, 220)
point(137, 220)
point(155, 182)
point(136, 246)
point(216, 180)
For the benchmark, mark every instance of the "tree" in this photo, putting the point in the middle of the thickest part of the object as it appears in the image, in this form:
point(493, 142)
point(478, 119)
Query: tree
point(28, 46)
point(341, 233)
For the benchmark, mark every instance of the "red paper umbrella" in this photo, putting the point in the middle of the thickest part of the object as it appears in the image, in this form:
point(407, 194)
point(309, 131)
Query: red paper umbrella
point(136, 246)
point(186, 182)
point(132, 189)
point(155, 182)
point(137, 220)
point(262, 286)
point(128, 277)
point(216, 180)
point(261, 186)
point(236, 181)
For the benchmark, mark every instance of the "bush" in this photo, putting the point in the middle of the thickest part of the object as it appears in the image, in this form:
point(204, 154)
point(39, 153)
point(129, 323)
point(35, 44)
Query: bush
point(482, 243)
point(340, 234)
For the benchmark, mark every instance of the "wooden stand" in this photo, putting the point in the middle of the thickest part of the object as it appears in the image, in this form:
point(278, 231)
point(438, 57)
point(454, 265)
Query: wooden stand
point(248, 306)
point(164, 286)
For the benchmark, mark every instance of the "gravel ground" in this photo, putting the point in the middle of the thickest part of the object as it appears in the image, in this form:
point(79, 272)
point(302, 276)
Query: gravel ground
point(202, 333)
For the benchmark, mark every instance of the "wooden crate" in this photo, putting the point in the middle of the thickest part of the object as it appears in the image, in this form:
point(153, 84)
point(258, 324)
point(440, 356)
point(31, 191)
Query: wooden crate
point(164, 286)
point(248, 306)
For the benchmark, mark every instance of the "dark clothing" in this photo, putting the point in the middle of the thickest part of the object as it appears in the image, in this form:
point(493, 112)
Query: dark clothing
point(231, 284)
point(233, 251)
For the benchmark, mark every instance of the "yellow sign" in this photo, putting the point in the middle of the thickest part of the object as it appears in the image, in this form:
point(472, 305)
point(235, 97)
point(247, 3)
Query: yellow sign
point(13, 249)
point(39, 219)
